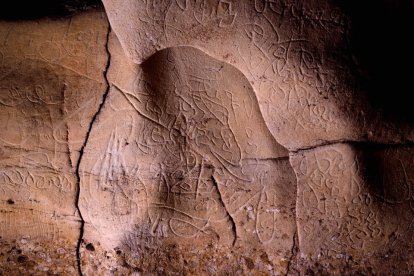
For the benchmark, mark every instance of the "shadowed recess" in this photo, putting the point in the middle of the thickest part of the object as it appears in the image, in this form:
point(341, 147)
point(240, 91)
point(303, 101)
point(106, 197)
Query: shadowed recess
point(382, 45)
point(27, 9)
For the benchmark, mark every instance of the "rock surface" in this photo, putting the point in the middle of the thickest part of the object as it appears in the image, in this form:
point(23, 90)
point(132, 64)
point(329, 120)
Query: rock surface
point(180, 158)
point(360, 197)
point(51, 84)
point(207, 137)
point(297, 57)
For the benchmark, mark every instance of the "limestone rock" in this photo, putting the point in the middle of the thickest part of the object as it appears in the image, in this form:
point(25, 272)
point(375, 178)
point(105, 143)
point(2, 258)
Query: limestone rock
point(51, 83)
point(262, 137)
point(355, 208)
point(296, 56)
point(179, 162)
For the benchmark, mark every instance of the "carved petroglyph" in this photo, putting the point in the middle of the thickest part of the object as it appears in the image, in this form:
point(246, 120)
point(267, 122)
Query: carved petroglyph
point(358, 196)
point(50, 84)
point(290, 52)
point(150, 146)
point(182, 156)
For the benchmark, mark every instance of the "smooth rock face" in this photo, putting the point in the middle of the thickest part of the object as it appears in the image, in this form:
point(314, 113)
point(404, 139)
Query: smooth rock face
point(207, 137)
point(51, 83)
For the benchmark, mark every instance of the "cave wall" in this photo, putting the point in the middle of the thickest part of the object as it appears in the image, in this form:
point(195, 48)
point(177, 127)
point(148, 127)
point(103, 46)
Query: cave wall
point(206, 137)
point(51, 86)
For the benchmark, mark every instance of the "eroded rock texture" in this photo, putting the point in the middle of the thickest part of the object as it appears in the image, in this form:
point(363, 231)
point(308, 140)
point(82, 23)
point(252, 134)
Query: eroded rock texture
point(51, 83)
point(207, 137)
point(296, 56)
point(180, 164)
point(359, 196)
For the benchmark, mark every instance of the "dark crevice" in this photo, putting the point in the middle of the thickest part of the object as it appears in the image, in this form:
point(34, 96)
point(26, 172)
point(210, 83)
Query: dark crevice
point(275, 159)
point(291, 267)
point(231, 219)
point(108, 86)
point(32, 10)
point(292, 263)
point(407, 143)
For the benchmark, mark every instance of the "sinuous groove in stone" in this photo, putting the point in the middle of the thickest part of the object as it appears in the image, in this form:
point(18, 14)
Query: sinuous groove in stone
point(204, 137)
point(296, 55)
point(50, 85)
point(180, 158)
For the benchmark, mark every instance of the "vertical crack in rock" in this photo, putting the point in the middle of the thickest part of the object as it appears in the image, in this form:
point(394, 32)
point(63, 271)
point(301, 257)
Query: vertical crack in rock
point(231, 219)
point(108, 86)
point(294, 252)
point(64, 111)
point(295, 245)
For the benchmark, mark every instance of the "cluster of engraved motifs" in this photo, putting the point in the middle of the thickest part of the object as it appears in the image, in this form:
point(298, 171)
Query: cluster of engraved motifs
point(183, 158)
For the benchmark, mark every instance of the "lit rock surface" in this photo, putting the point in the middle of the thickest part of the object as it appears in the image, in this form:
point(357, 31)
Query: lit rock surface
point(296, 56)
point(179, 162)
point(51, 83)
point(207, 137)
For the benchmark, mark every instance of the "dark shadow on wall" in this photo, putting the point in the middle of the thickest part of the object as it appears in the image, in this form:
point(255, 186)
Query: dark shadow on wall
point(381, 41)
point(32, 9)
point(388, 179)
point(386, 171)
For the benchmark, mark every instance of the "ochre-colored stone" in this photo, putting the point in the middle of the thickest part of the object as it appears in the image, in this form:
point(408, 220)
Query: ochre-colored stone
point(180, 158)
point(51, 83)
point(207, 137)
point(355, 208)
point(296, 56)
